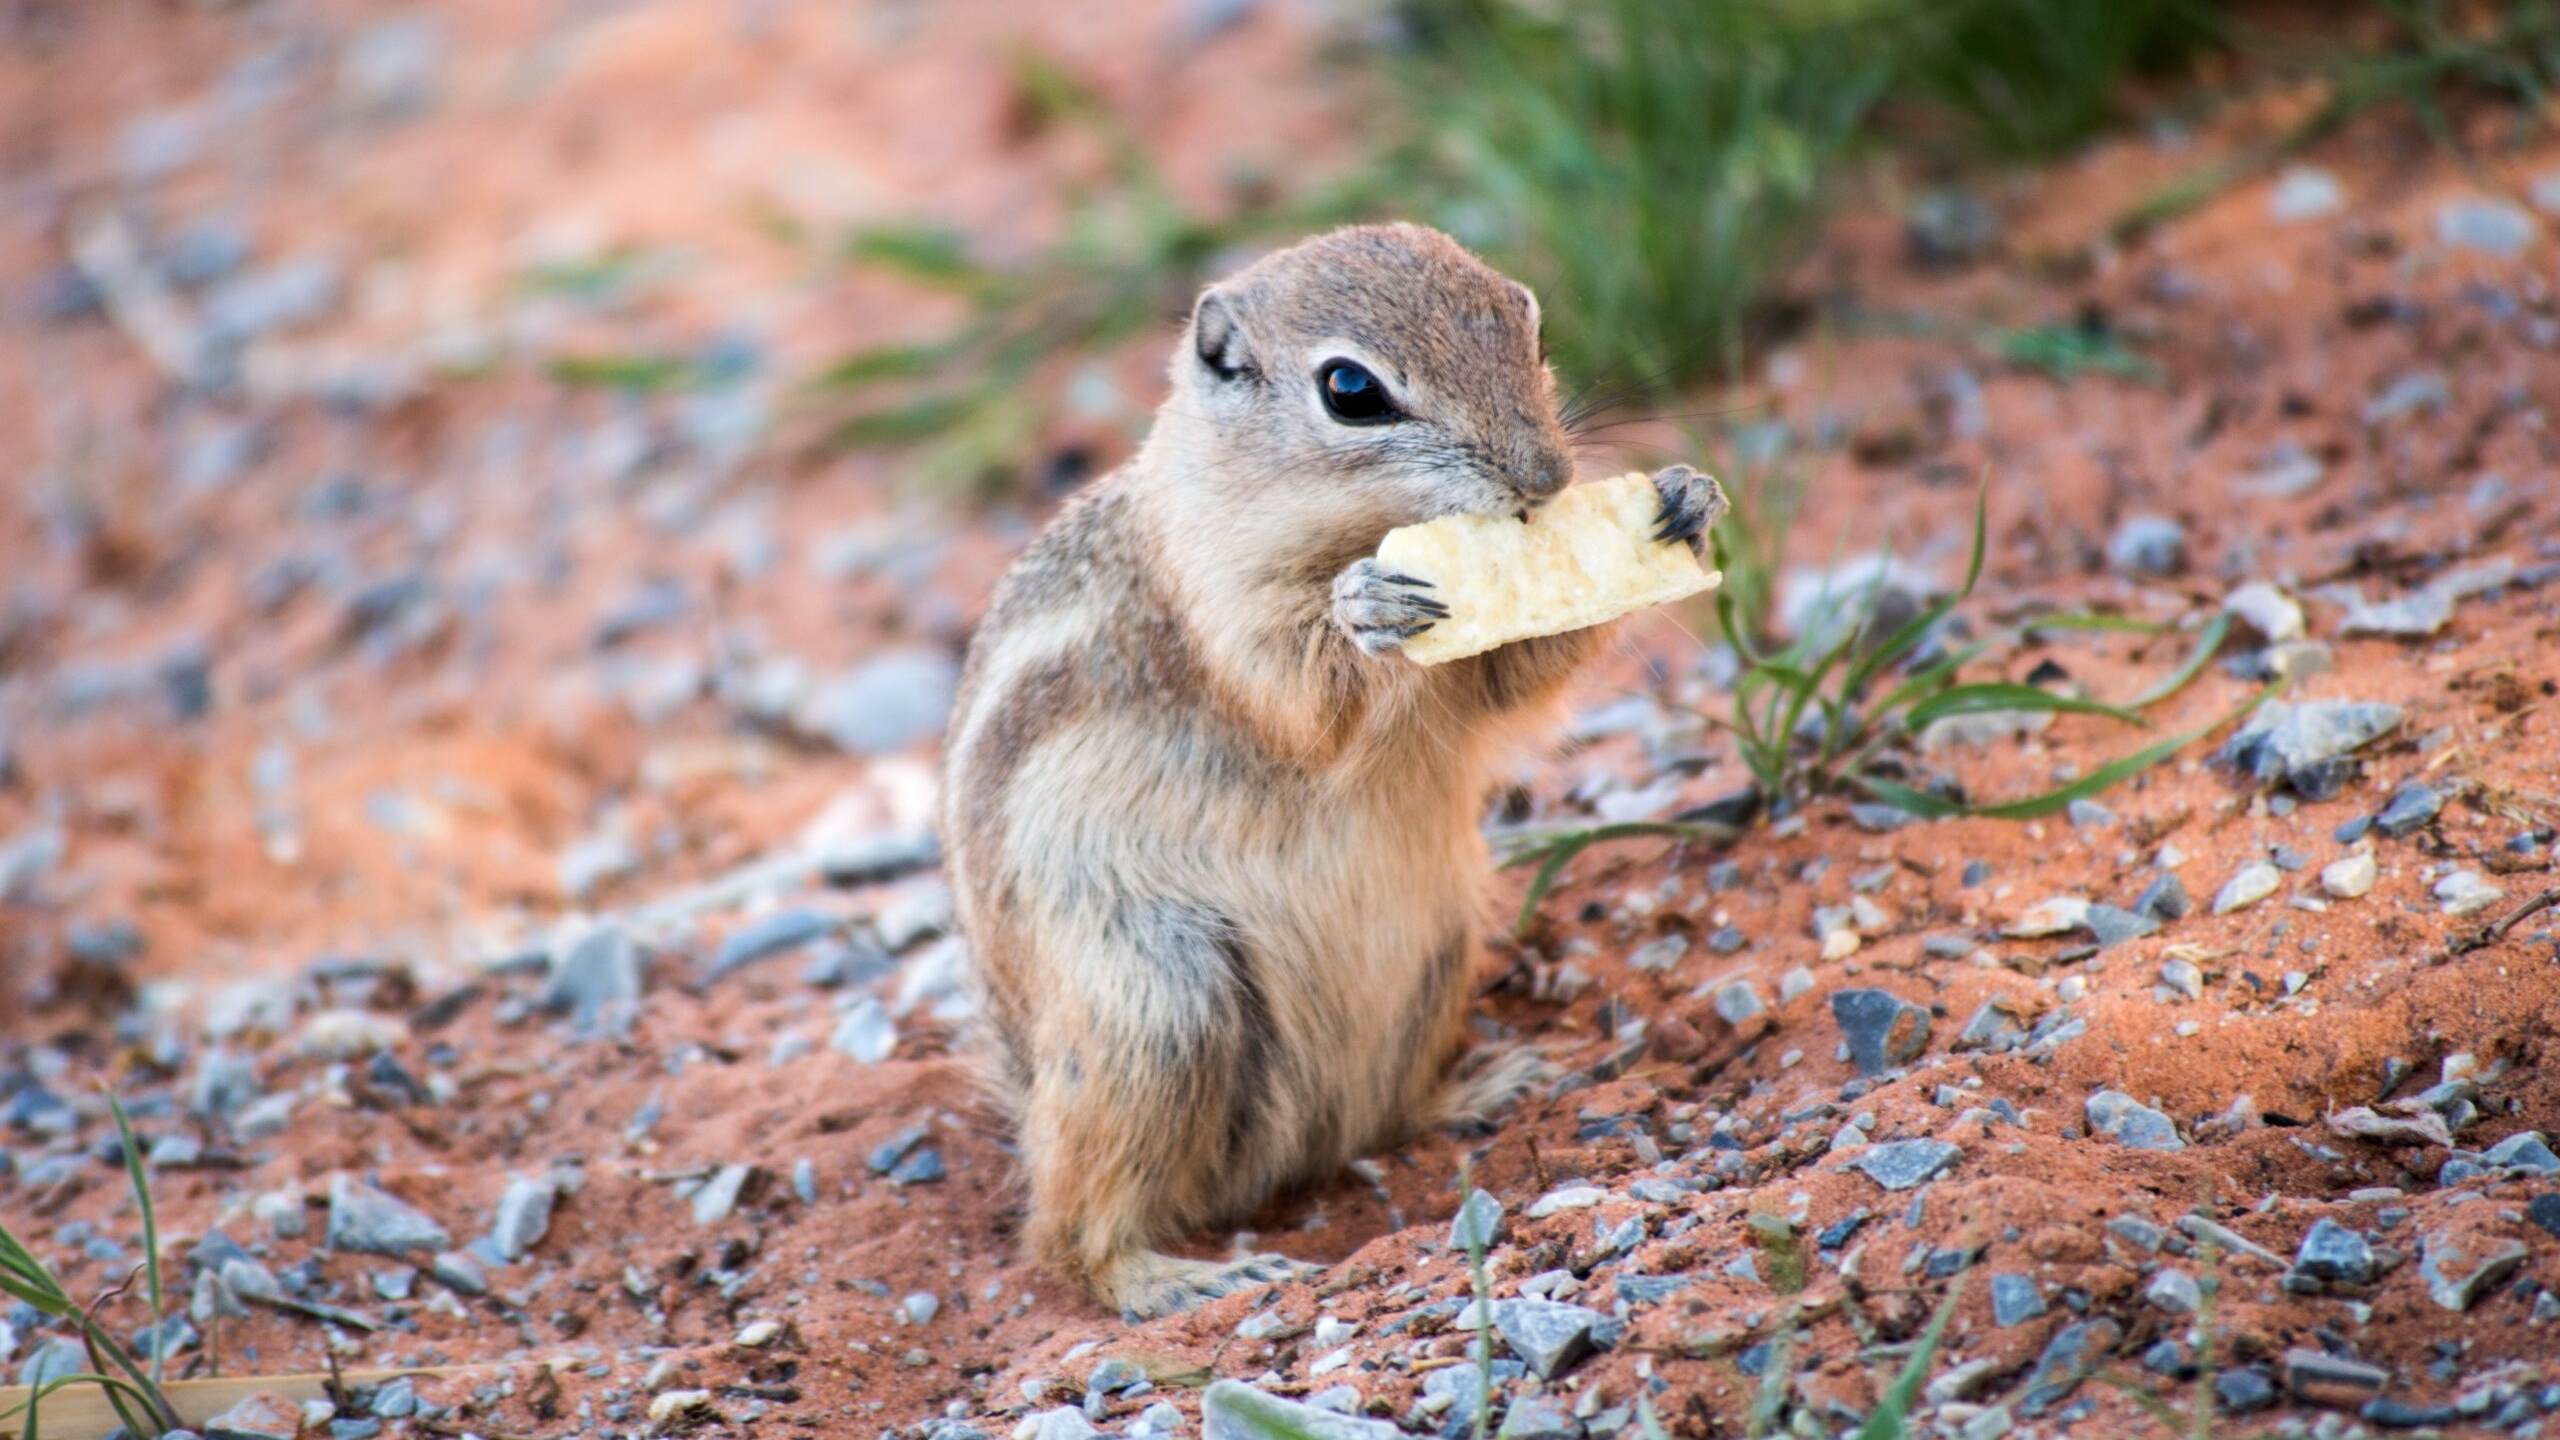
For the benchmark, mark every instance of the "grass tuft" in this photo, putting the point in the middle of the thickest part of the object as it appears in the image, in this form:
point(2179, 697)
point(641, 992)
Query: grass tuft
point(132, 1391)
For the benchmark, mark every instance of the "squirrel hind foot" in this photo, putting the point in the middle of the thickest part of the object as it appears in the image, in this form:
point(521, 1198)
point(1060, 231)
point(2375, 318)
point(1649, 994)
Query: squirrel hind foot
point(1148, 1286)
point(1487, 1082)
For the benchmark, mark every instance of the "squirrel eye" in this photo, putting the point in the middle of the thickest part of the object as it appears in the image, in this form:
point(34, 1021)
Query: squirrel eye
point(1354, 396)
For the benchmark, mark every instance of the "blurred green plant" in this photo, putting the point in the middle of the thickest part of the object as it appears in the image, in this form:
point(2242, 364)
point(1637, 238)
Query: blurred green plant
point(132, 1390)
point(2034, 77)
point(1654, 165)
point(973, 400)
point(1838, 708)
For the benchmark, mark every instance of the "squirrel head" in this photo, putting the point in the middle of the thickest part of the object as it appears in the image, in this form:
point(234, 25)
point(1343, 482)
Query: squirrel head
point(1376, 376)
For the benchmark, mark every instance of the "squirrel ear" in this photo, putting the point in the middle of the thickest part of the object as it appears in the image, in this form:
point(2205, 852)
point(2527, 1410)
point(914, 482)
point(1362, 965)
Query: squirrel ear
point(1217, 338)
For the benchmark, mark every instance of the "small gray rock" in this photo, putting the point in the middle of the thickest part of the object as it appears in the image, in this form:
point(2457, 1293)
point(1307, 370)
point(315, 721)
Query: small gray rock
point(2331, 1251)
point(777, 934)
point(1539, 1417)
point(2131, 1123)
point(458, 1272)
point(2174, 1291)
point(52, 1359)
point(2015, 1300)
point(2489, 227)
point(1232, 1410)
point(2165, 899)
point(2114, 927)
point(720, 1195)
point(363, 1220)
point(524, 1217)
point(259, 1417)
point(2525, 1151)
point(597, 972)
point(1901, 1164)
point(1477, 1225)
point(1882, 1029)
point(2459, 1269)
point(2325, 1379)
point(866, 1032)
point(885, 704)
point(1548, 1336)
point(2148, 545)
point(2297, 743)
point(2411, 806)
point(2068, 1359)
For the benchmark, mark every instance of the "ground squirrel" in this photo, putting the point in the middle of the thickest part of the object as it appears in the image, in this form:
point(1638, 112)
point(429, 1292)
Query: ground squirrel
point(1215, 846)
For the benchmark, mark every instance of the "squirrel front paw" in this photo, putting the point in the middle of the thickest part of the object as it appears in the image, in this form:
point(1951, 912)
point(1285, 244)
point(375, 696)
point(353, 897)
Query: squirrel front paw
point(1690, 503)
point(1381, 609)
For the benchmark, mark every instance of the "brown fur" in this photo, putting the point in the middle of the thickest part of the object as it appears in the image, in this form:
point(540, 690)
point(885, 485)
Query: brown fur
point(1221, 868)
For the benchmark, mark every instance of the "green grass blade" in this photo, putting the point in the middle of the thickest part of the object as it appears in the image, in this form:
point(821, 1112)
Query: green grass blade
point(927, 254)
point(2208, 641)
point(2007, 695)
point(150, 1234)
point(1556, 849)
point(1892, 1417)
point(2106, 777)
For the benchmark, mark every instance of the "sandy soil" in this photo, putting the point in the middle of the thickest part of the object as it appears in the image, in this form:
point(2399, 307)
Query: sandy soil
point(323, 707)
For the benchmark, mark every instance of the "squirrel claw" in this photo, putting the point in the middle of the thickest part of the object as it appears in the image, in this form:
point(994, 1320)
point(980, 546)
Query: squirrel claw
point(1690, 503)
point(1380, 609)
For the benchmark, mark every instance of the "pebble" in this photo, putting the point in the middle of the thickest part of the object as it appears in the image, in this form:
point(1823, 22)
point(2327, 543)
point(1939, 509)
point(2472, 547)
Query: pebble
point(2307, 745)
point(1950, 226)
point(718, 1198)
point(2544, 1210)
point(2459, 1269)
point(2057, 915)
point(594, 862)
point(2068, 1359)
point(676, 1409)
point(1662, 954)
point(866, 1032)
point(2410, 807)
point(2488, 227)
point(364, 1220)
point(2247, 886)
point(2267, 610)
point(1737, 1002)
point(2184, 977)
point(2114, 927)
point(2464, 893)
point(919, 1307)
point(2331, 1251)
point(2015, 1300)
point(2524, 1151)
point(593, 973)
point(2131, 1123)
point(1064, 1422)
point(256, 1417)
point(2244, 1391)
point(1539, 1417)
point(1232, 1410)
point(524, 1216)
point(1572, 1197)
point(1902, 1164)
point(1547, 1336)
point(2350, 878)
point(2151, 545)
point(2305, 192)
point(1882, 1030)
point(883, 705)
point(459, 1272)
point(2166, 898)
point(2325, 1379)
point(2418, 390)
point(2174, 1291)
point(777, 934)
point(1477, 1225)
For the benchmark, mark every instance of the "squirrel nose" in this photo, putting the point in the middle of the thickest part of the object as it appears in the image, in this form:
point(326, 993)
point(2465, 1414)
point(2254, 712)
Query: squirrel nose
point(1543, 474)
